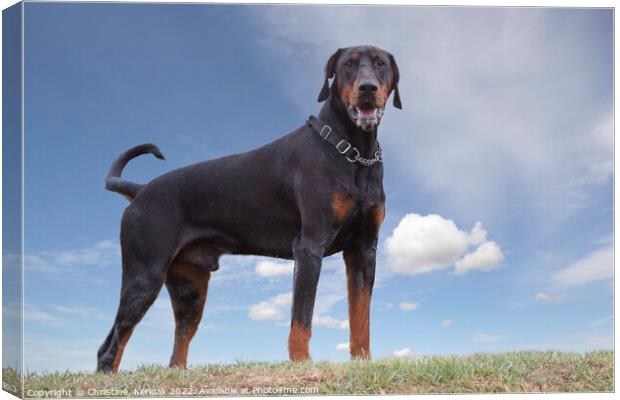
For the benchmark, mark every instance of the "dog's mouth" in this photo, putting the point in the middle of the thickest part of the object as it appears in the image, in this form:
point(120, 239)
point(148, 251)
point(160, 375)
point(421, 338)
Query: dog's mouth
point(367, 116)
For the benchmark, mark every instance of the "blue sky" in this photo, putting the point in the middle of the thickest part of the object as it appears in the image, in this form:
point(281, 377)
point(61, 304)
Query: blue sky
point(507, 121)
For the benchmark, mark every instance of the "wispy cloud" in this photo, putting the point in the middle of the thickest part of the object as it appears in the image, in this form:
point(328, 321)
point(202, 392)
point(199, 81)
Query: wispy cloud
point(236, 270)
point(408, 306)
point(602, 321)
point(447, 323)
point(81, 311)
point(35, 315)
point(101, 254)
point(332, 288)
point(74, 354)
point(486, 338)
point(597, 266)
point(61, 315)
point(330, 322)
point(590, 339)
point(547, 298)
point(160, 315)
point(88, 263)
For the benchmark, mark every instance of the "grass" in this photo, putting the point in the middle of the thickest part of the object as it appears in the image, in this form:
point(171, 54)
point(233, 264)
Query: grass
point(478, 373)
point(11, 381)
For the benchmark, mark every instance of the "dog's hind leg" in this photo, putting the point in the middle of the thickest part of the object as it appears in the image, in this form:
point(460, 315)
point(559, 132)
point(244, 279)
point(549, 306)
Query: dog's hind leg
point(137, 295)
point(146, 253)
point(187, 285)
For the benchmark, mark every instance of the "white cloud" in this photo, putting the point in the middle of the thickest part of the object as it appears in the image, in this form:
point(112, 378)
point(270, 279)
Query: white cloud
point(425, 243)
point(408, 306)
point(486, 257)
point(597, 266)
point(404, 352)
point(271, 309)
point(330, 322)
point(447, 323)
point(547, 298)
point(342, 346)
point(272, 269)
point(485, 338)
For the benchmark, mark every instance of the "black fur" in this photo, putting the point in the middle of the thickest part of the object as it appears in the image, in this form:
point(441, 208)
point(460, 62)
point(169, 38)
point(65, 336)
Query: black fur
point(276, 200)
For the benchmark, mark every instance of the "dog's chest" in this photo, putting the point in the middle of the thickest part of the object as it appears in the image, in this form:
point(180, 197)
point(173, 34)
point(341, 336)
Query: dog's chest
point(365, 202)
point(366, 187)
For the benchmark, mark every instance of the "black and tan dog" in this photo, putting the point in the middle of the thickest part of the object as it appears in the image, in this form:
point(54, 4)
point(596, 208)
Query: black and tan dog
point(309, 194)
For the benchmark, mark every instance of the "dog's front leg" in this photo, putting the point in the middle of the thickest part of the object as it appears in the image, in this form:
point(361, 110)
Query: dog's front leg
point(360, 263)
point(360, 260)
point(308, 259)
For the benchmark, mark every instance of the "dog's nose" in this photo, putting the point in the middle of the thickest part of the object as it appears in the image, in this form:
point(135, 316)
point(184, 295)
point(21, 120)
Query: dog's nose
point(367, 87)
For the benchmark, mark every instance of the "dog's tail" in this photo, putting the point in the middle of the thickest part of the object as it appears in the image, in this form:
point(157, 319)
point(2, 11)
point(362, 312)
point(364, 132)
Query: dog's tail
point(113, 181)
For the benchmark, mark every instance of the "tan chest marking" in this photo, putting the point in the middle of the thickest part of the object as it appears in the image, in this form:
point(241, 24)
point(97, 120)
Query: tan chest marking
point(341, 204)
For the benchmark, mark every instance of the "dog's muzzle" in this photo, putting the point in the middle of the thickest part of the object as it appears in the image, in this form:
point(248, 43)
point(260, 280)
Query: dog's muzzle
point(366, 117)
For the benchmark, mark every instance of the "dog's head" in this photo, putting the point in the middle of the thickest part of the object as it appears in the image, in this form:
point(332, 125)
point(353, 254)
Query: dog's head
point(364, 77)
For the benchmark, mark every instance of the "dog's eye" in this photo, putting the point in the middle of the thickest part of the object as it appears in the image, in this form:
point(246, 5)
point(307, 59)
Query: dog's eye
point(348, 64)
point(380, 63)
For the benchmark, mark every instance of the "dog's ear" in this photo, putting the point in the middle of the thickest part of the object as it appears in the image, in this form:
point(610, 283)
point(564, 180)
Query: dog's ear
point(330, 70)
point(395, 78)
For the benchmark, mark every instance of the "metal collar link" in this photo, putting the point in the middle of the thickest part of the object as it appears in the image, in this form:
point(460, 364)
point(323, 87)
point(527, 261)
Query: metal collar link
point(345, 148)
point(370, 161)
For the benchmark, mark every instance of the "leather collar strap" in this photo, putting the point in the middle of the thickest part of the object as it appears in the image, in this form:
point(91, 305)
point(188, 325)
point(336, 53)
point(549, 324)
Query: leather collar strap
point(345, 148)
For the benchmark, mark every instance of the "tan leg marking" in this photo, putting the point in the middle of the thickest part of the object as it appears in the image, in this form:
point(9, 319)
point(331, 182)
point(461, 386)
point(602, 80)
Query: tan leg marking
point(378, 213)
point(119, 351)
point(298, 342)
point(184, 335)
point(359, 314)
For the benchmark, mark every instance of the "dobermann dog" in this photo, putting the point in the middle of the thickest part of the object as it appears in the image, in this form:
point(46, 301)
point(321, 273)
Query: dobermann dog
point(312, 193)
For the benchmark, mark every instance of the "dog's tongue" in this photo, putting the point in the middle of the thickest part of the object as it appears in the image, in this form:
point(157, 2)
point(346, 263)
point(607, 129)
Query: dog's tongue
point(367, 113)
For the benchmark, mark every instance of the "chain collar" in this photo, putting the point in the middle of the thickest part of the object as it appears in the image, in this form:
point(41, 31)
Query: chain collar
point(368, 162)
point(350, 152)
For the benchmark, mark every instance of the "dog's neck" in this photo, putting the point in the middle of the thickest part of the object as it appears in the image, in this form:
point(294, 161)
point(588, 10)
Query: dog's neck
point(334, 114)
